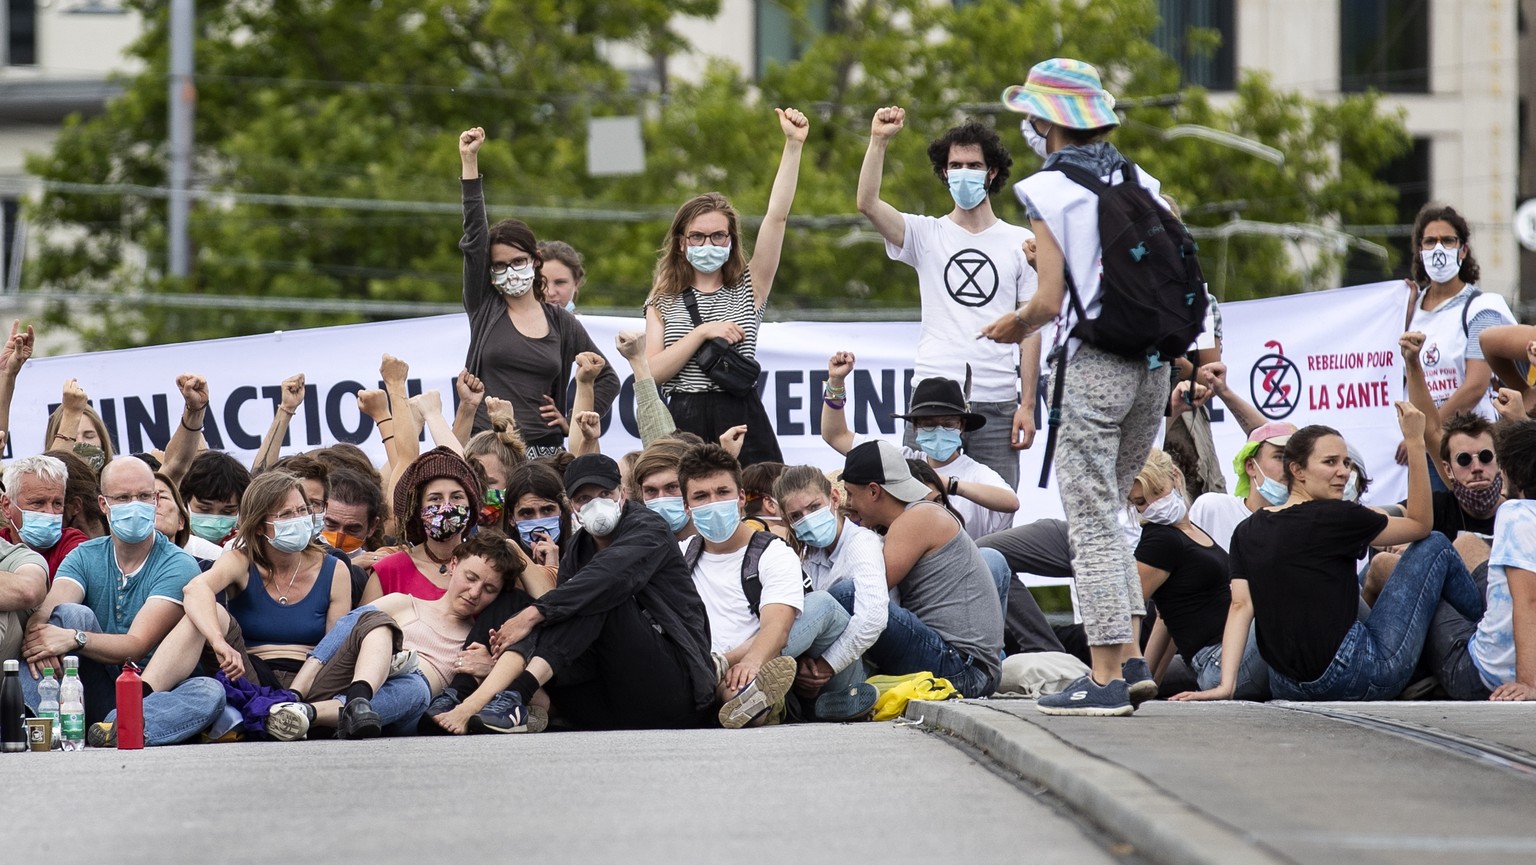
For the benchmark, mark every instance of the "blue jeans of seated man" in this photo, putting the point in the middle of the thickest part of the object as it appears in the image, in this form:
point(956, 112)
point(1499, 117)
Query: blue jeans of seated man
point(909, 646)
point(174, 716)
point(1252, 672)
point(98, 678)
point(1377, 658)
point(818, 626)
point(400, 701)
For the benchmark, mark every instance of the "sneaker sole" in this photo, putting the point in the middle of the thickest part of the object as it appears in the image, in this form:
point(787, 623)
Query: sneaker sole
point(287, 726)
point(1088, 711)
point(760, 695)
point(1142, 691)
point(839, 708)
point(101, 737)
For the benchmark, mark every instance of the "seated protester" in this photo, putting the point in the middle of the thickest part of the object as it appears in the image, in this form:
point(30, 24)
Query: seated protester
point(1185, 572)
point(997, 564)
point(172, 520)
point(350, 681)
point(1305, 595)
point(538, 515)
point(33, 504)
point(315, 478)
point(1494, 657)
point(1469, 465)
point(621, 643)
point(1260, 471)
point(212, 488)
point(761, 512)
point(940, 414)
point(354, 512)
point(283, 591)
point(23, 585)
point(435, 504)
point(836, 550)
point(113, 598)
point(82, 496)
point(755, 625)
point(655, 483)
point(949, 622)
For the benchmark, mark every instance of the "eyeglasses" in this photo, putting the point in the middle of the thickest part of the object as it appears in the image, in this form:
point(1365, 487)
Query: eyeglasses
point(499, 267)
point(144, 498)
point(1449, 241)
point(291, 513)
point(952, 425)
point(697, 238)
point(1484, 456)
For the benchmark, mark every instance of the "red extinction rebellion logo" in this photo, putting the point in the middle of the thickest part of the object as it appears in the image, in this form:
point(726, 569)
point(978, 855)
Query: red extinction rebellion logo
point(1275, 383)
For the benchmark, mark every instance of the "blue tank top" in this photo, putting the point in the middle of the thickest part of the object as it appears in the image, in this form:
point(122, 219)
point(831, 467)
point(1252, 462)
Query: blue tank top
point(265, 622)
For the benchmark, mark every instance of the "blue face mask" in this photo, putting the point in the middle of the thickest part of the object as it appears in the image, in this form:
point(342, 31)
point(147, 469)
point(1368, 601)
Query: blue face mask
point(672, 510)
point(708, 258)
point(938, 442)
point(717, 521)
point(1352, 487)
point(542, 526)
point(817, 528)
point(292, 535)
point(570, 305)
point(968, 186)
point(41, 531)
point(1273, 491)
point(214, 528)
point(134, 522)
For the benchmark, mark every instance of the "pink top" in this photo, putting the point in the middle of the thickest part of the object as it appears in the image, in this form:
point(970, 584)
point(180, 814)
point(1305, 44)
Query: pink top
point(435, 647)
point(397, 573)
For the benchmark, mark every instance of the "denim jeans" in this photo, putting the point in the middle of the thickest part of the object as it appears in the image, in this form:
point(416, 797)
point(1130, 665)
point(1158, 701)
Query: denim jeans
point(98, 678)
point(1445, 648)
point(1252, 672)
point(174, 716)
point(1377, 658)
point(401, 702)
point(909, 646)
point(819, 625)
point(336, 637)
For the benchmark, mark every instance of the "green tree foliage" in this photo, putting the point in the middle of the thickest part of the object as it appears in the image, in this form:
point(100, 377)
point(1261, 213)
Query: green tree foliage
point(313, 98)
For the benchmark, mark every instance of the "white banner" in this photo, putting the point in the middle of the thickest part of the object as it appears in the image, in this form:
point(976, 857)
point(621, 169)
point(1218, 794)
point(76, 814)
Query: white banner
point(1325, 357)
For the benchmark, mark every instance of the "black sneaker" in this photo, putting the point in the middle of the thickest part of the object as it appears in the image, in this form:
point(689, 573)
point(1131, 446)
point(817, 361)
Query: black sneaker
point(503, 714)
point(359, 720)
point(1138, 678)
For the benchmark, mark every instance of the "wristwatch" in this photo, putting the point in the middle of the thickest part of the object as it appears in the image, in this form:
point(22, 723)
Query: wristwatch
point(81, 638)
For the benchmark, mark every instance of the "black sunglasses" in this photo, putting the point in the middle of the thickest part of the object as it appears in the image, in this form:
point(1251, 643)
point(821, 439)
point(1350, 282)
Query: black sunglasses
point(1484, 456)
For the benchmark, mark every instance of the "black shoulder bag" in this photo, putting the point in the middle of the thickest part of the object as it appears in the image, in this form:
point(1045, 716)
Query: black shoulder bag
point(735, 373)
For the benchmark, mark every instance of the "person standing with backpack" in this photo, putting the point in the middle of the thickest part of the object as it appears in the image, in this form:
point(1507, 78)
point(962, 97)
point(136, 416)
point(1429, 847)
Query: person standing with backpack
point(1117, 275)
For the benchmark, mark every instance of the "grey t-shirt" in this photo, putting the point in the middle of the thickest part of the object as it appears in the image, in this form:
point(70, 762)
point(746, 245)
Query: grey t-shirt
point(951, 591)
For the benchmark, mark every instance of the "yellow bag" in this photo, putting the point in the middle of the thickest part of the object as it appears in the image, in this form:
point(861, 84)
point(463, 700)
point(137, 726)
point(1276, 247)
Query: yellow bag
point(896, 691)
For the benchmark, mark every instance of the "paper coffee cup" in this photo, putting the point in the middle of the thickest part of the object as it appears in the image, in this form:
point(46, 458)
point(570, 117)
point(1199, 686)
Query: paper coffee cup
point(40, 734)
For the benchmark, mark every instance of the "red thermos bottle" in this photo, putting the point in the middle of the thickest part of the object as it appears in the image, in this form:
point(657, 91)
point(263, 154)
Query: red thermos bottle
point(130, 709)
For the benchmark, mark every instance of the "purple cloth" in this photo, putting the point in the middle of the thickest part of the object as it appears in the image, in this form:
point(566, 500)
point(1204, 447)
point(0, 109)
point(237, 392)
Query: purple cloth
point(253, 699)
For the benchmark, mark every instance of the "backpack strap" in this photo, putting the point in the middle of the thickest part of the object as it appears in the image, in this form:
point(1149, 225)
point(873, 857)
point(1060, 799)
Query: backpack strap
point(751, 585)
point(693, 548)
point(1058, 357)
point(1466, 309)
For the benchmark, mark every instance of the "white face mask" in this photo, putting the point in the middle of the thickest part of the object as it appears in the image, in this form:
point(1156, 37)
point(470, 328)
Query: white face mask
point(1441, 264)
point(1167, 510)
point(599, 517)
point(1032, 137)
point(514, 281)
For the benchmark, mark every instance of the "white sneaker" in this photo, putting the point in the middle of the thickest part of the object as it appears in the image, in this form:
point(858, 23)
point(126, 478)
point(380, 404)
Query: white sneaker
point(287, 722)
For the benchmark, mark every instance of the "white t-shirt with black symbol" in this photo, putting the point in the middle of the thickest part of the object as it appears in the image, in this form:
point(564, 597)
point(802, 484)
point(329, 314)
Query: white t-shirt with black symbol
point(717, 577)
point(1447, 345)
point(967, 281)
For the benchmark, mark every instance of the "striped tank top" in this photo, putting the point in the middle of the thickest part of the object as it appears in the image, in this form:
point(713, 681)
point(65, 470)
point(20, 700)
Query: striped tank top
point(730, 303)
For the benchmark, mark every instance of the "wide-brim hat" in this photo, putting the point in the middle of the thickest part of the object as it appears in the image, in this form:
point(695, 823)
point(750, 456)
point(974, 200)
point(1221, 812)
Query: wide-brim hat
point(1064, 92)
point(1277, 433)
point(941, 397)
point(879, 462)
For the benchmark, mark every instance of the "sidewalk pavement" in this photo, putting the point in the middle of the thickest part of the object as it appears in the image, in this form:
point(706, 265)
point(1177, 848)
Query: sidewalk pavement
point(1229, 783)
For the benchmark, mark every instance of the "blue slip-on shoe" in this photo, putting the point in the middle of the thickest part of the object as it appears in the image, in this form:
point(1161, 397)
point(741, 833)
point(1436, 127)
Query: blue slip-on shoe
point(1087, 697)
point(847, 704)
point(1138, 678)
point(505, 713)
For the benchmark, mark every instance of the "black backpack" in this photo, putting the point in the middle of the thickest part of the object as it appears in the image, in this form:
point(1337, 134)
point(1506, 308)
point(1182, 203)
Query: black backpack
point(750, 584)
point(1152, 293)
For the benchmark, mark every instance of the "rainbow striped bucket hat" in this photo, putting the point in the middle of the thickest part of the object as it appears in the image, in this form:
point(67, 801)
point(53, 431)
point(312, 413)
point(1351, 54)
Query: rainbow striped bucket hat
point(1064, 92)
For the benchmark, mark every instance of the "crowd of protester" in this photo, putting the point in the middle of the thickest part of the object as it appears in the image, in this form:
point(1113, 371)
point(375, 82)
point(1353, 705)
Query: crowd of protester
point(514, 577)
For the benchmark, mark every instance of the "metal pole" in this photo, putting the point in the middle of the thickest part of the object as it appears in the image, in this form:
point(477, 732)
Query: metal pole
point(183, 97)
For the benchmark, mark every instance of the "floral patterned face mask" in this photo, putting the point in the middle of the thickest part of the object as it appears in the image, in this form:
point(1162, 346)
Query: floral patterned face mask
point(444, 521)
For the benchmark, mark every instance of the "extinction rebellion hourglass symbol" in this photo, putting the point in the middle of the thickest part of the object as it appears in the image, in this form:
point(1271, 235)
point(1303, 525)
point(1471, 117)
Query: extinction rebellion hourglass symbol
point(1275, 383)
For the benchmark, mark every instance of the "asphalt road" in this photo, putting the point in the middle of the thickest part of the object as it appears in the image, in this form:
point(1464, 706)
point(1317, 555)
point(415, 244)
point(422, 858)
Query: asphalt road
point(875, 793)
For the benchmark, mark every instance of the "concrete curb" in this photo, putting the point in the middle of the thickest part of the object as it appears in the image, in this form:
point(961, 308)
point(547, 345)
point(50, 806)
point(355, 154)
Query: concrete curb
point(1158, 825)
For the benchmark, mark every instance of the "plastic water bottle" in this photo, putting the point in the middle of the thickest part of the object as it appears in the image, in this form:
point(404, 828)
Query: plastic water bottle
point(72, 707)
point(48, 701)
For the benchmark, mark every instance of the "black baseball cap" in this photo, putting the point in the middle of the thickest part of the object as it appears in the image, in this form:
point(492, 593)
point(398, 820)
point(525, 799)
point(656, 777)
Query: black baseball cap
point(880, 462)
point(591, 469)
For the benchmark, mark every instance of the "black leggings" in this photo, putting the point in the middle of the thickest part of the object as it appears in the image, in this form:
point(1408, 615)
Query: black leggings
point(710, 414)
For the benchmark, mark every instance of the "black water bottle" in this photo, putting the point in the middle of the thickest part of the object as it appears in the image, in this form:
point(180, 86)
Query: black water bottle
point(13, 711)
